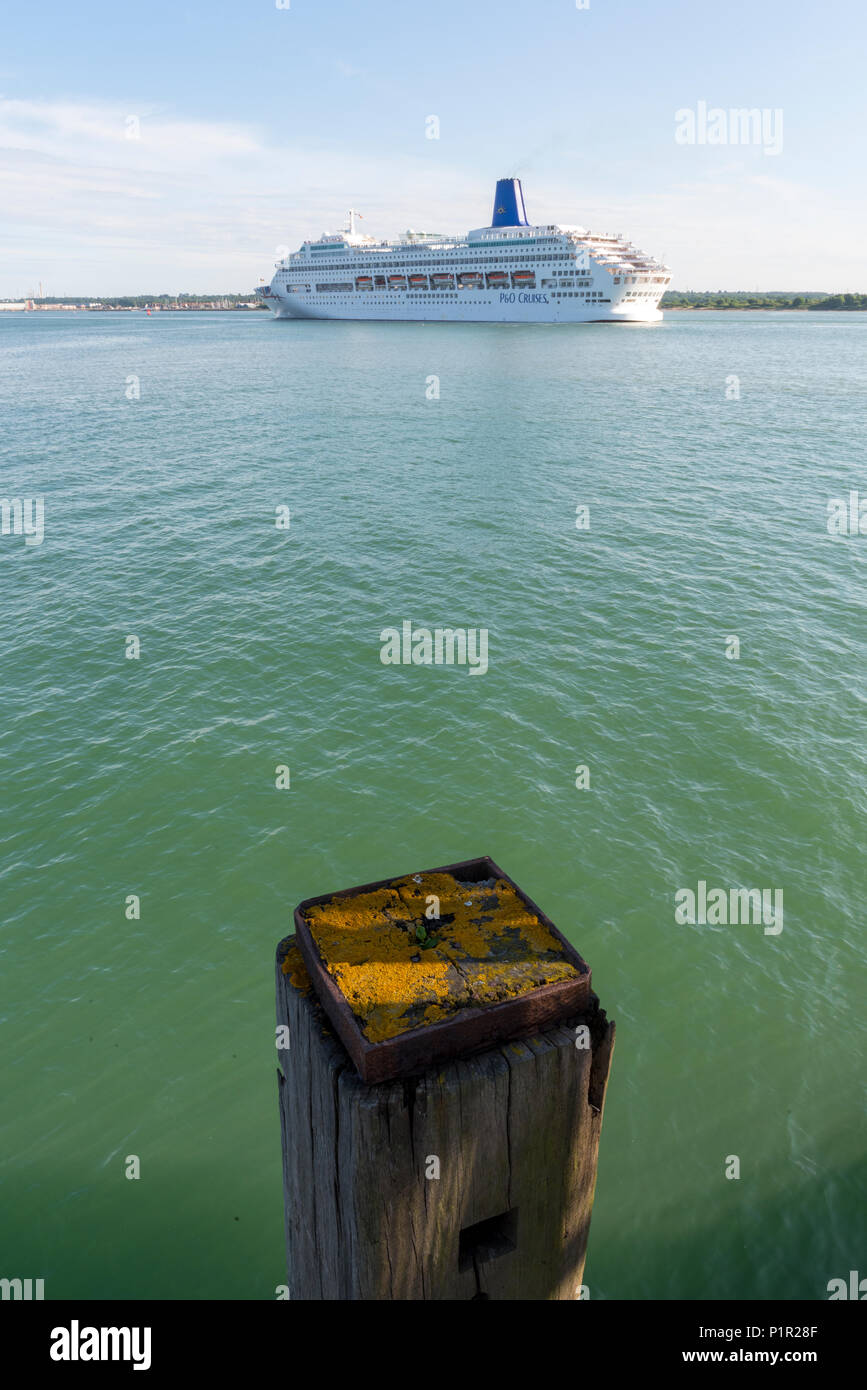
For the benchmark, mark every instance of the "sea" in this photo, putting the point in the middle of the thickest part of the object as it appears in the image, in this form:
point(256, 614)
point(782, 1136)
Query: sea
point(657, 527)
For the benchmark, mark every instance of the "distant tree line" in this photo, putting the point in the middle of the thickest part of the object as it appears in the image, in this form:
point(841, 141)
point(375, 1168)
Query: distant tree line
point(672, 299)
point(145, 301)
point(741, 299)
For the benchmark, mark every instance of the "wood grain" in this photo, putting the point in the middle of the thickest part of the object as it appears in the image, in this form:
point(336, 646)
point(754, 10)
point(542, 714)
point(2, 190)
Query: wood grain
point(515, 1128)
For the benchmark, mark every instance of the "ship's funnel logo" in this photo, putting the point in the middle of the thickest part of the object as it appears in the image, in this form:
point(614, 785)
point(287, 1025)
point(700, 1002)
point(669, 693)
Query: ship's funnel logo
point(509, 208)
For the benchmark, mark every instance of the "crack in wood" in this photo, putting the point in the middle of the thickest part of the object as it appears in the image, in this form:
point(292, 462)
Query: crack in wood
point(514, 1127)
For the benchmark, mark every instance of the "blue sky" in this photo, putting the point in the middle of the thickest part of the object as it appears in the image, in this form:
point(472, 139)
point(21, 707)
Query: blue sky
point(254, 127)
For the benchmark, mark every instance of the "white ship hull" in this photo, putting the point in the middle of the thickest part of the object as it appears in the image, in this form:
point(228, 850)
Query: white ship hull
point(489, 310)
point(509, 272)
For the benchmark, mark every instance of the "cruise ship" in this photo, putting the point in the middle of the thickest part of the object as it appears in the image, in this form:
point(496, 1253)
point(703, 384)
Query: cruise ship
point(508, 272)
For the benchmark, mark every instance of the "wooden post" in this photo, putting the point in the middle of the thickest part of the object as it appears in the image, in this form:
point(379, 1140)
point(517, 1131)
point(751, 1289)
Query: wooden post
point(473, 1179)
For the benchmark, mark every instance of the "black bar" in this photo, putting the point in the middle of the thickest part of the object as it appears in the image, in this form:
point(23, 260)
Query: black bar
point(284, 1340)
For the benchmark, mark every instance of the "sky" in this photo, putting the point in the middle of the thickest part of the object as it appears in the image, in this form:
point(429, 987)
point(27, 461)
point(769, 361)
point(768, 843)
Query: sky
point(158, 148)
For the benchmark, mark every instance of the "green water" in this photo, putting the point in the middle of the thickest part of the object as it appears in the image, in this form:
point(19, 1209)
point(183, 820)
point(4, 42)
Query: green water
point(260, 647)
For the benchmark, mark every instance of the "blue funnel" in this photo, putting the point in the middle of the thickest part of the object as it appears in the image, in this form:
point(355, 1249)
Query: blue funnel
point(509, 208)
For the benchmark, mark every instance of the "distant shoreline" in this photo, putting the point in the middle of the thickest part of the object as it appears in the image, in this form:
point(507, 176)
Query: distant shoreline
point(750, 308)
point(673, 301)
point(740, 299)
point(138, 304)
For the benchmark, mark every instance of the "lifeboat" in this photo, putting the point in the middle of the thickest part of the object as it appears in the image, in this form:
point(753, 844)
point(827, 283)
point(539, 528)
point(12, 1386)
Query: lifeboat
point(497, 278)
point(524, 277)
point(363, 282)
point(397, 282)
point(441, 282)
point(470, 280)
point(418, 282)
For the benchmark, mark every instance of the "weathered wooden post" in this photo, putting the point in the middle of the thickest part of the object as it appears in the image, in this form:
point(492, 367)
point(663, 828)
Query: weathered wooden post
point(441, 1095)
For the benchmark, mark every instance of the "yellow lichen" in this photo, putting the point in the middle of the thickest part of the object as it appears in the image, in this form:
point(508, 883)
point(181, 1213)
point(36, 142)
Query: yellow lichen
point(293, 966)
point(487, 947)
